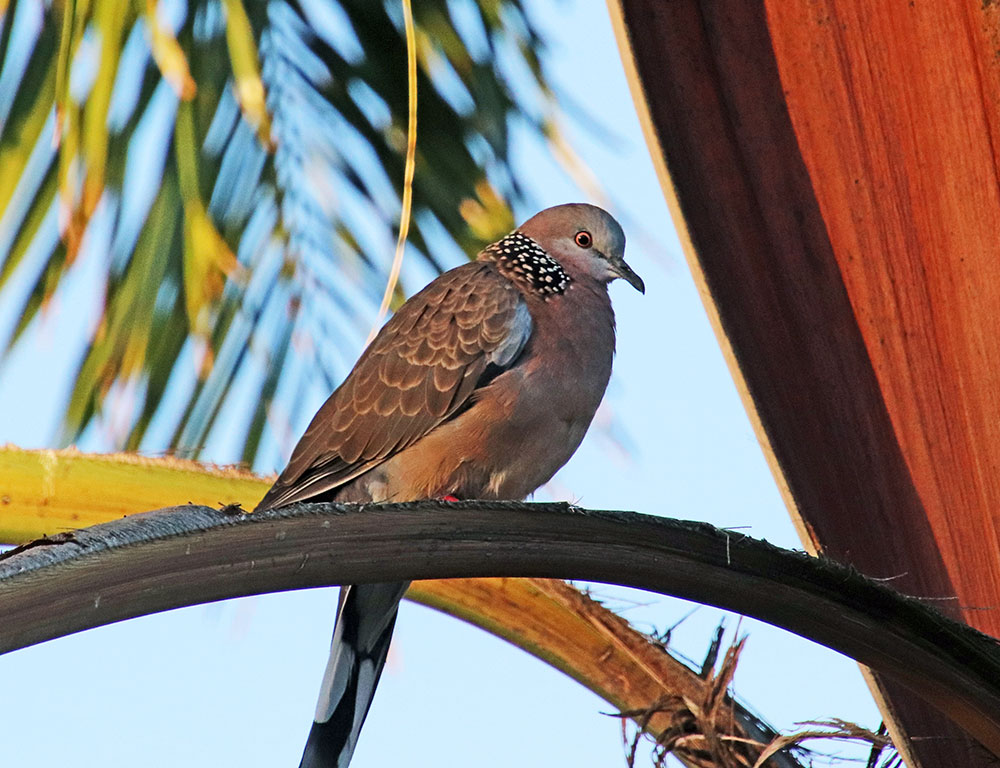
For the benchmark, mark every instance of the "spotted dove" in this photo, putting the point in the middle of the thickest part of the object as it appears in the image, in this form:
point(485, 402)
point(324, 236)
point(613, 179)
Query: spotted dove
point(481, 386)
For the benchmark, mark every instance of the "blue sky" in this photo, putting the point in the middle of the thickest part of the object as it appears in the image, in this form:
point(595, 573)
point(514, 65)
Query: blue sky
point(234, 683)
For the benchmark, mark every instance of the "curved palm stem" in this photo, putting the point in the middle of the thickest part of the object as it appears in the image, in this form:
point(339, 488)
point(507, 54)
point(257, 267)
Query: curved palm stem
point(185, 555)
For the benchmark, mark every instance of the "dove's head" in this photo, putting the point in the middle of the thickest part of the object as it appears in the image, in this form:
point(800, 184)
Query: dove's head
point(585, 240)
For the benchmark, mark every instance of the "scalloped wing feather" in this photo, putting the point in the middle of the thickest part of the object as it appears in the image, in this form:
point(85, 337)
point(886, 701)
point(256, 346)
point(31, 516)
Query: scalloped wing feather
point(420, 370)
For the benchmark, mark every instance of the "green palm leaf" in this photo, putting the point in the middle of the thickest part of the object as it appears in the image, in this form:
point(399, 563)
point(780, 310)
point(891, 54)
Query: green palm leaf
point(234, 166)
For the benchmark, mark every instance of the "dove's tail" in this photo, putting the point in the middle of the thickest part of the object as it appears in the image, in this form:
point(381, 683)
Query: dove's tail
point(365, 619)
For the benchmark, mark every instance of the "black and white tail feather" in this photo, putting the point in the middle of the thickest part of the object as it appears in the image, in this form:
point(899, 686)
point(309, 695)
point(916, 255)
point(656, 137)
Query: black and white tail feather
point(365, 619)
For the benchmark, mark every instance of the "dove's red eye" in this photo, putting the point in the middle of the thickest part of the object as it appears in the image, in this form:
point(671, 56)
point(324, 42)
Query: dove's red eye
point(584, 239)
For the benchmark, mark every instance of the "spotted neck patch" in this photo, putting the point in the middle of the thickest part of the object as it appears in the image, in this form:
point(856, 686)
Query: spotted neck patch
point(523, 261)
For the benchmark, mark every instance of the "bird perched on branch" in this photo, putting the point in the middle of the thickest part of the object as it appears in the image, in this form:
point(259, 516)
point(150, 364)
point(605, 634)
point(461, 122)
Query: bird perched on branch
point(481, 386)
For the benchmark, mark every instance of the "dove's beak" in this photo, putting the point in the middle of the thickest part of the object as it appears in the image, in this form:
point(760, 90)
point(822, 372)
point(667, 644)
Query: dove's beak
point(626, 273)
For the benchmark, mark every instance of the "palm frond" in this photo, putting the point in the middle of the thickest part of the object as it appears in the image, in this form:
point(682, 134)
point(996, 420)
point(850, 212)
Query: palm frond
point(234, 166)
